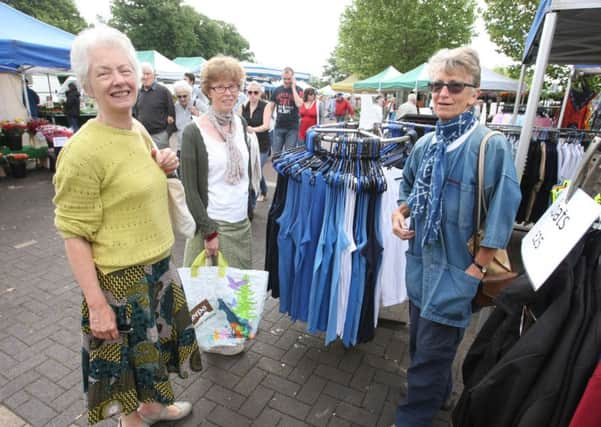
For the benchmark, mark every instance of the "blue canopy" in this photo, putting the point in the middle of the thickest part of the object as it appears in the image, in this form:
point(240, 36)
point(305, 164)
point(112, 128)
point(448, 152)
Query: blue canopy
point(576, 38)
point(26, 42)
point(256, 70)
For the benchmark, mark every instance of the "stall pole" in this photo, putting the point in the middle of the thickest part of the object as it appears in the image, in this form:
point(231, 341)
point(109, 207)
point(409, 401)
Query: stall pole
point(565, 97)
point(518, 95)
point(25, 95)
point(537, 85)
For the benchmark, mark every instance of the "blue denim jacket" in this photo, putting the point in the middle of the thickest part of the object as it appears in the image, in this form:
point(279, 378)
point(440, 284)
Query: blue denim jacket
point(435, 274)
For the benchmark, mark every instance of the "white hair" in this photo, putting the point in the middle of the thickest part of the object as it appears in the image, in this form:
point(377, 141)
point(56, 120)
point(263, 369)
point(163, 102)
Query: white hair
point(146, 66)
point(412, 98)
point(449, 60)
point(100, 35)
point(256, 84)
point(182, 86)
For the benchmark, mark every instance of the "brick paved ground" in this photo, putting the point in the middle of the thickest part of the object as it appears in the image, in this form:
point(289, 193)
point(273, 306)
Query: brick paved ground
point(286, 378)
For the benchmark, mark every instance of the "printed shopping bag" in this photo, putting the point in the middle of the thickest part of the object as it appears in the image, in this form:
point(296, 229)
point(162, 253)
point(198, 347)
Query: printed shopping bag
point(225, 303)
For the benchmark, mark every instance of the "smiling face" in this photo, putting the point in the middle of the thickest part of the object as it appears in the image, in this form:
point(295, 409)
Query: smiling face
point(111, 80)
point(223, 95)
point(448, 105)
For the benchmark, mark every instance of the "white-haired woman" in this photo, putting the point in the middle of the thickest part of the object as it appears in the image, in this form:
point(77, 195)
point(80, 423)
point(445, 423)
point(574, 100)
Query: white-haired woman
point(438, 193)
point(111, 209)
point(184, 109)
point(258, 119)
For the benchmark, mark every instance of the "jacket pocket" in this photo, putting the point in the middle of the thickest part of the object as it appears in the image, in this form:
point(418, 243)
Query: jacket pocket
point(454, 295)
point(459, 200)
point(413, 277)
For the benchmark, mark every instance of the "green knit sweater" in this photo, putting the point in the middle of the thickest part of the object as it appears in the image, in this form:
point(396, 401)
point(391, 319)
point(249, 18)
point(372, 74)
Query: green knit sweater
point(110, 192)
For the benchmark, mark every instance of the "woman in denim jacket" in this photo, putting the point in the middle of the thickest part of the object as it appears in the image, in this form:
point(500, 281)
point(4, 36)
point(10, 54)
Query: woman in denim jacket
point(438, 195)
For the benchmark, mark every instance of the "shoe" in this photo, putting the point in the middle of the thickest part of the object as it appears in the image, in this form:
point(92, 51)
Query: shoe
point(142, 423)
point(261, 198)
point(226, 350)
point(184, 409)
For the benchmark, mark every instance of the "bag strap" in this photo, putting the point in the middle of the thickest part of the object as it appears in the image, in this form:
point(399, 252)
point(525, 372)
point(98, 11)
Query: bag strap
point(480, 199)
point(201, 261)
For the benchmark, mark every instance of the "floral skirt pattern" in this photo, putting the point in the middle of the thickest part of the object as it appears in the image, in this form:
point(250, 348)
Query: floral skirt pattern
point(156, 337)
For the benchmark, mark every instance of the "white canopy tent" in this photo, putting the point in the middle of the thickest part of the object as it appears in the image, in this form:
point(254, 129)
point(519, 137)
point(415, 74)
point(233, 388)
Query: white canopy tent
point(563, 32)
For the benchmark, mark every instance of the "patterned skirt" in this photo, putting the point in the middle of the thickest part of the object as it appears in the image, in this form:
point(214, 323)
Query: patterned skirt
point(156, 338)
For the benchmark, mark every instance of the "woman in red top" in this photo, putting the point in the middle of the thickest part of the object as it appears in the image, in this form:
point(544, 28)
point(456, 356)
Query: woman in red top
point(308, 114)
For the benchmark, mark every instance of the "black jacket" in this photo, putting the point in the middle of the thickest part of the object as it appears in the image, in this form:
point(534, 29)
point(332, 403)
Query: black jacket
point(72, 103)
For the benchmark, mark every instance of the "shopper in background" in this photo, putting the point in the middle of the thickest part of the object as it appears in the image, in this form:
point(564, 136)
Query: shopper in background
point(71, 107)
point(286, 101)
point(258, 119)
point(437, 193)
point(308, 114)
point(343, 109)
point(409, 107)
point(184, 109)
point(112, 210)
point(198, 100)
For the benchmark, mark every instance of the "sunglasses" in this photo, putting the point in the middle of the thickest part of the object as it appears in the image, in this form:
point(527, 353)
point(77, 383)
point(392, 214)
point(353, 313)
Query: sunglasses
point(253, 92)
point(452, 86)
point(182, 96)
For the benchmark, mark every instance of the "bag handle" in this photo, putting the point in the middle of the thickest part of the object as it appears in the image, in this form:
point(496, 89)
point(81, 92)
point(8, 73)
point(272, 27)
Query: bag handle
point(201, 261)
point(480, 199)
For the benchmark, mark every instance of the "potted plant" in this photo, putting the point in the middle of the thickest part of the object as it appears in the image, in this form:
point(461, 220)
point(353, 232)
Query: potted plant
point(17, 164)
point(13, 132)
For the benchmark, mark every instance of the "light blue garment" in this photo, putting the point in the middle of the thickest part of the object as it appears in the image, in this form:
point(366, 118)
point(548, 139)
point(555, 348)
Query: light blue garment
point(436, 280)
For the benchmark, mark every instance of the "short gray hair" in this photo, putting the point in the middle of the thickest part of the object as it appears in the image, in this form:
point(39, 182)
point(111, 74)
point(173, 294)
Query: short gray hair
point(147, 66)
point(182, 86)
point(449, 60)
point(100, 35)
point(256, 84)
point(412, 97)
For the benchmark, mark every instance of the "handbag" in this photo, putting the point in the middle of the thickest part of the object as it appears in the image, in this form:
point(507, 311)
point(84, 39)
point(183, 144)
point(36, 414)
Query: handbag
point(225, 303)
point(499, 273)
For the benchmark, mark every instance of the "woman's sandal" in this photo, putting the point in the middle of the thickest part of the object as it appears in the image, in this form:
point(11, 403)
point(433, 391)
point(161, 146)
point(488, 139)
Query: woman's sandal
point(183, 407)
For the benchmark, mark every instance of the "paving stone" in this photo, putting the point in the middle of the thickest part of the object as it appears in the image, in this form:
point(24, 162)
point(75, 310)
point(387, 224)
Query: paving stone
point(351, 361)
point(245, 364)
point(303, 370)
point(287, 421)
point(53, 370)
point(356, 415)
point(289, 406)
point(250, 381)
point(395, 380)
point(74, 377)
point(225, 397)
point(375, 397)
point(336, 421)
point(311, 390)
point(268, 350)
point(197, 387)
point(333, 374)
point(274, 367)
point(294, 354)
point(17, 399)
point(287, 339)
point(17, 384)
point(323, 411)
point(6, 361)
point(323, 357)
point(344, 393)
point(221, 377)
point(9, 419)
point(379, 362)
point(45, 390)
point(268, 418)
point(13, 347)
point(36, 412)
point(256, 402)
point(363, 377)
point(225, 417)
point(281, 385)
point(67, 399)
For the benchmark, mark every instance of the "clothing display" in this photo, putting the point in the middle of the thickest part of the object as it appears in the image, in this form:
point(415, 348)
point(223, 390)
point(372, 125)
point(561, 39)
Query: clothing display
point(328, 255)
point(532, 359)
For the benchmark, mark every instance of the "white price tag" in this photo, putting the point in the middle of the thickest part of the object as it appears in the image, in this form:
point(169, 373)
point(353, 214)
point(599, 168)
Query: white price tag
point(59, 141)
point(556, 233)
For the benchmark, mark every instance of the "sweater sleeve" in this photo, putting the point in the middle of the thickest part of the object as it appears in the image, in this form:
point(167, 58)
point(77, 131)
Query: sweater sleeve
point(195, 171)
point(78, 206)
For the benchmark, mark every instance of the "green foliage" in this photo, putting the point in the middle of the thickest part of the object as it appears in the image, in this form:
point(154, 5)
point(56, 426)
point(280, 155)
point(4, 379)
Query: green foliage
point(374, 34)
point(508, 23)
point(331, 71)
point(60, 13)
point(175, 29)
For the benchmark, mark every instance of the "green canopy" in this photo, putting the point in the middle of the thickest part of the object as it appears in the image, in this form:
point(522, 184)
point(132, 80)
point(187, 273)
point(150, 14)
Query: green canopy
point(374, 82)
point(192, 63)
point(164, 68)
point(417, 78)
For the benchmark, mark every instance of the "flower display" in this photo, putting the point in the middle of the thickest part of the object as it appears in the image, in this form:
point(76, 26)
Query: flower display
point(33, 125)
point(17, 126)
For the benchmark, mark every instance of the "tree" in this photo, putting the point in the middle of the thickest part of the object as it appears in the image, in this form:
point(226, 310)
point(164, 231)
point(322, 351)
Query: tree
point(60, 13)
point(508, 23)
point(176, 30)
point(331, 71)
point(374, 34)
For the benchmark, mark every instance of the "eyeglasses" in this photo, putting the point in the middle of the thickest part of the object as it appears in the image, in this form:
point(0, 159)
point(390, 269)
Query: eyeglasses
point(253, 92)
point(453, 86)
point(182, 96)
point(222, 89)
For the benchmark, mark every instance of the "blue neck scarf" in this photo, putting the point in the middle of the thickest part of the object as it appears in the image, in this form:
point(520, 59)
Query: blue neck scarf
point(426, 194)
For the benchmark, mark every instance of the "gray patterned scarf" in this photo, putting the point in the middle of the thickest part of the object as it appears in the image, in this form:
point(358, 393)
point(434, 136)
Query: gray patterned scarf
point(234, 169)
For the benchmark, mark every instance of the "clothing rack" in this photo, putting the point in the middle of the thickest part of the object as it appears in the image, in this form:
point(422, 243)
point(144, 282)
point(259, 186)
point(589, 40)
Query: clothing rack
point(562, 131)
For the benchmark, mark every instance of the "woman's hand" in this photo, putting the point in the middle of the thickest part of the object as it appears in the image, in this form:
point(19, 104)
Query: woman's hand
point(250, 129)
point(474, 271)
point(166, 159)
point(212, 246)
point(103, 323)
point(400, 227)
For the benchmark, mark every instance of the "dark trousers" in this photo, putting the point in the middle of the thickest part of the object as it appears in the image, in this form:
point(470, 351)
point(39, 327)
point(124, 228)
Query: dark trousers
point(73, 122)
point(432, 347)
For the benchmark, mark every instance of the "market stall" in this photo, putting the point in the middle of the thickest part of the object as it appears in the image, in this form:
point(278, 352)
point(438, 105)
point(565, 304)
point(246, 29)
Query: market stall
point(165, 69)
point(192, 63)
point(346, 85)
point(374, 83)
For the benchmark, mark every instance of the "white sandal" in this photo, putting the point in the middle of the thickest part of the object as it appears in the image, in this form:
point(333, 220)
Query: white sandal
point(184, 410)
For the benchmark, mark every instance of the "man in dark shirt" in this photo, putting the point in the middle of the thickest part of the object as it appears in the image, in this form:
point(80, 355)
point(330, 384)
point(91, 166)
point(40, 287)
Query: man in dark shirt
point(154, 107)
point(286, 99)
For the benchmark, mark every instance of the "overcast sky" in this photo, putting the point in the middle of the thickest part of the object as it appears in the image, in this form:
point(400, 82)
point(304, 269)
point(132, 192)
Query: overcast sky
point(280, 35)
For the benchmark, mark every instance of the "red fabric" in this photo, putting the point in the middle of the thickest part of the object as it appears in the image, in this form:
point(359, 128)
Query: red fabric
point(308, 119)
point(343, 107)
point(588, 413)
point(575, 118)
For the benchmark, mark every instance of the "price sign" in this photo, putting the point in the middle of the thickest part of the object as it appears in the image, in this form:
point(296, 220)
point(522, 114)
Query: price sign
point(556, 233)
point(59, 141)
